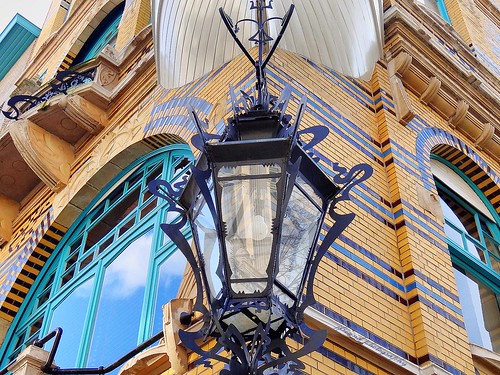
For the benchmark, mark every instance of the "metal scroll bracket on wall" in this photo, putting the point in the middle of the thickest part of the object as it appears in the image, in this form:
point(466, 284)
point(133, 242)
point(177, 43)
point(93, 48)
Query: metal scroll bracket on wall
point(63, 81)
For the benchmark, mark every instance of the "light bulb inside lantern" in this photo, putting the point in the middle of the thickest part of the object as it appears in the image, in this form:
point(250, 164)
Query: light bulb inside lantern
point(260, 230)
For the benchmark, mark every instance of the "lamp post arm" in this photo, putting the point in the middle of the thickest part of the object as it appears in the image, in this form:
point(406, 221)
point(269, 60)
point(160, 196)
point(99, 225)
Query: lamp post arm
point(284, 25)
point(261, 38)
point(229, 25)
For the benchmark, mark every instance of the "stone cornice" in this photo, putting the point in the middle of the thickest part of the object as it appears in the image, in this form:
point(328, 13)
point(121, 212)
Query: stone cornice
point(348, 338)
point(485, 359)
point(440, 37)
point(465, 95)
point(489, 9)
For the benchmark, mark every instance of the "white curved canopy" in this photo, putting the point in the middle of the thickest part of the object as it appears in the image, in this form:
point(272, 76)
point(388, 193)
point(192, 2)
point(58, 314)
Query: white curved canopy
point(191, 39)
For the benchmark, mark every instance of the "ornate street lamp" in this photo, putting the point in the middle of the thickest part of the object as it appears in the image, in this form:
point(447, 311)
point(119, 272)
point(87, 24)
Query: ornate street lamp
point(256, 204)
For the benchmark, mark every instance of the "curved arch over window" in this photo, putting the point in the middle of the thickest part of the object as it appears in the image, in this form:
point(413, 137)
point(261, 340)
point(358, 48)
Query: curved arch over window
point(110, 274)
point(105, 33)
point(473, 235)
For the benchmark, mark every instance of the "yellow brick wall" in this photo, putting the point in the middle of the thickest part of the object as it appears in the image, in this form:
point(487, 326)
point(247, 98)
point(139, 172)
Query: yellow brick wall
point(54, 20)
point(455, 10)
point(366, 277)
point(477, 27)
point(135, 17)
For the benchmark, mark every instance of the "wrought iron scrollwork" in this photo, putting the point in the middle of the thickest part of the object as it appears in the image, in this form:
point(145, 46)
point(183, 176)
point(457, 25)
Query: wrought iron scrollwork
point(261, 38)
point(257, 355)
point(262, 348)
point(63, 81)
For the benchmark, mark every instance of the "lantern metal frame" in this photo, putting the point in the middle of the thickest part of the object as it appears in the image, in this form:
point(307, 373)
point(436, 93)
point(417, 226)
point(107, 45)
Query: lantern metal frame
point(260, 132)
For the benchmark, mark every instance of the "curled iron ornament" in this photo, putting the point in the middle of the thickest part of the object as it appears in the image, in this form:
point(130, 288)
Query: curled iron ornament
point(254, 358)
point(261, 38)
point(63, 81)
point(261, 350)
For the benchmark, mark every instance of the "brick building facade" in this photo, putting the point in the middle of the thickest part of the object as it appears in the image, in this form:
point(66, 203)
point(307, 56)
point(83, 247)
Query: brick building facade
point(392, 291)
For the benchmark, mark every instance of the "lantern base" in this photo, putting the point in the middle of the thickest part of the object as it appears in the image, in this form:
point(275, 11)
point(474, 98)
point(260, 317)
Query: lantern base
point(261, 354)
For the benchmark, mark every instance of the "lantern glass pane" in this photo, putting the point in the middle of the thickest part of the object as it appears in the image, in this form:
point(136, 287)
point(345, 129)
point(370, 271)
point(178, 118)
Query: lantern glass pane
point(298, 233)
point(206, 236)
point(248, 209)
point(309, 191)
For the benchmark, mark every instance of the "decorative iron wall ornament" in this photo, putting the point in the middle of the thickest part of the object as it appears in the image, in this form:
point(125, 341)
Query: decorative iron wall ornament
point(63, 81)
point(256, 203)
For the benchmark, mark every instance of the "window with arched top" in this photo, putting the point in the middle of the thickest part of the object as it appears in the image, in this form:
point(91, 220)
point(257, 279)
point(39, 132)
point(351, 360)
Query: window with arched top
point(110, 274)
point(105, 33)
point(473, 235)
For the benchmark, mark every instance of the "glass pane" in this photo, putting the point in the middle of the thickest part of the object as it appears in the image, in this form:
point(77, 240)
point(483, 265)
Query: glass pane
point(120, 305)
point(453, 234)
point(70, 316)
point(209, 243)
point(248, 208)
point(457, 233)
point(298, 232)
point(248, 170)
point(170, 276)
point(113, 217)
point(492, 245)
point(309, 191)
point(244, 323)
point(480, 311)
point(463, 218)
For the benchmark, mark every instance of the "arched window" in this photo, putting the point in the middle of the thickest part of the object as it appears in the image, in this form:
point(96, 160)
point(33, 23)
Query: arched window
point(105, 33)
point(473, 235)
point(110, 274)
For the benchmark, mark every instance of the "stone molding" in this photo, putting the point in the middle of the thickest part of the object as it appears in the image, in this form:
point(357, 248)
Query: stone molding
point(169, 347)
point(9, 209)
point(402, 103)
point(177, 353)
point(487, 360)
point(431, 91)
point(30, 361)
point(47, 155)
point(382, 356)
point(86, 114)
point(444, 75)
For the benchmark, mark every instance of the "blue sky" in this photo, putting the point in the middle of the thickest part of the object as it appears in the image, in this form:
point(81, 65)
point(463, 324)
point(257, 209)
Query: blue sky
point(33, 10)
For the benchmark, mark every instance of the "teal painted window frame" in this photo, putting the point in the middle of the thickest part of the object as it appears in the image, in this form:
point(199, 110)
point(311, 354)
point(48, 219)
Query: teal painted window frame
point(103, 35)
point(460, 256)
point(174, 161)
point(460, 253)
point(472, 266)
point(443, 11)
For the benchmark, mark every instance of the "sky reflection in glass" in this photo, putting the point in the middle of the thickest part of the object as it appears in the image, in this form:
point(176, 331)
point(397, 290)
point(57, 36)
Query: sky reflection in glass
point(120, 304)
point(71, 314)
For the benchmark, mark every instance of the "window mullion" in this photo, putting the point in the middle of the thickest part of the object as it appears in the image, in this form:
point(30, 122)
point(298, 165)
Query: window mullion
point(149, 291)
point(479, 227)
point(88, 326)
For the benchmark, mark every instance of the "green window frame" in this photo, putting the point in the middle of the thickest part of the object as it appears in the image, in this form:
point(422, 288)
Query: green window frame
point(105, 33)
point(123, 219)
point(486, 242)
point(486, 269)
point(474, 244)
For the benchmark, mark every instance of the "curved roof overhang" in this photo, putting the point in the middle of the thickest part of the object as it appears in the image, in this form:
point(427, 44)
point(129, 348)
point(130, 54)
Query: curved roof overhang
point(191, 39)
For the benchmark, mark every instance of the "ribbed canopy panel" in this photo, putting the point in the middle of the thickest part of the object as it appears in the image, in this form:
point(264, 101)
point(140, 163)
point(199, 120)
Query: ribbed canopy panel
point(191, 39)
